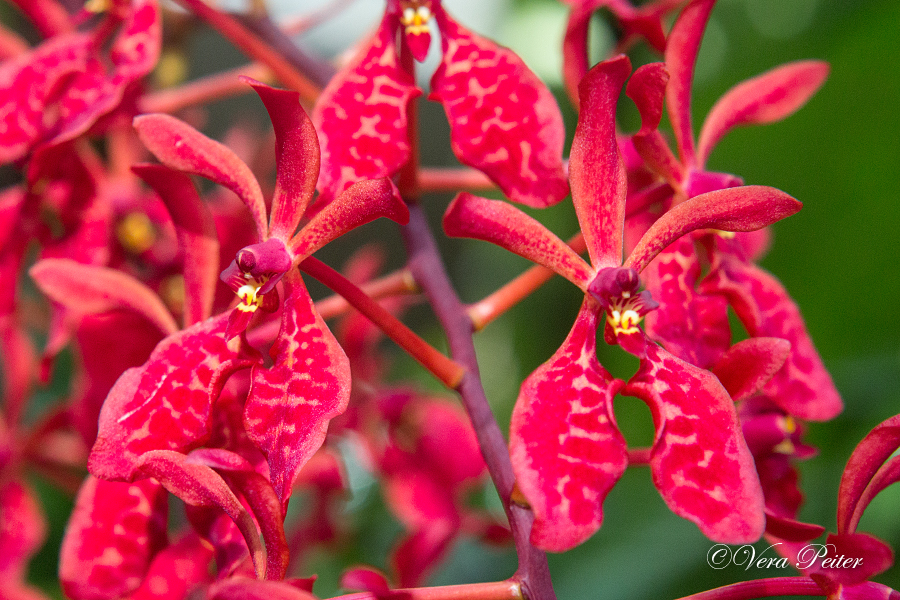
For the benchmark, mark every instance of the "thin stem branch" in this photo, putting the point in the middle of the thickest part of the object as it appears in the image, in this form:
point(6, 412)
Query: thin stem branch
point(450, 373)
point(440, 179)
point(394, 284)
point(497, 590)
point(762, 588)
point(205, 89)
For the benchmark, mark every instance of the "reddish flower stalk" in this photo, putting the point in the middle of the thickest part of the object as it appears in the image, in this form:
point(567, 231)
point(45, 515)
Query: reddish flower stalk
point(498, 590)
point(206, 89)
point(436, 179)
point(394, 284)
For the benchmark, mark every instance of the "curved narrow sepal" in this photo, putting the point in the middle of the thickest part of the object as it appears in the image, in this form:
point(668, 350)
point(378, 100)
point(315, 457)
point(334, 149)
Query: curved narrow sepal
point(89, 289)
point(887, 475)
point(197, 237)
point(802, 387)
point(791, 530)
point(361, 117)
point(508, 227)
point(162, 405)
point(296, 155)
point(567, 452)
point(181, 147)
point(766, 98)
point(876, 557)
point(596, 170)
point(867, 458)
point(744, 208)
point(682, 47)
point(503, 119)
point(575, 47)
point(113, 534)
point(647, 88)
point(699, 460)
point(359, 204)
point(750, 364)
point(290, 404)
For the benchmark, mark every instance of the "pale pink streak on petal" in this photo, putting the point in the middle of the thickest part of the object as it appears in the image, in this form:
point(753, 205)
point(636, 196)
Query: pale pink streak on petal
point(699, 460)
point(361, 117)
point(503, 120)
point(89, 289)
point(596, 169)
point(566, 450)
point(766, 98)
point(682, 47)
point(297, 156)
point(181, 147)
point(505, 225)
point(744, 208)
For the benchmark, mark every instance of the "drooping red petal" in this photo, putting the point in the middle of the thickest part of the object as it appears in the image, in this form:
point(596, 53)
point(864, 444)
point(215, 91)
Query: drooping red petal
point(113, 534)
point(181, 147)
point(839, 564)
point(503, 119)
point(750, 364)
point(596, 170)
point(291, 403)
point(766, 98)
point(176, 570)
point(699, 460)
point(802, 387)
point(89, 289)
point(575, 46)
point(297, 156)
point(792, 530)
point(505, 225)
point(196, 232)
point(163, 404)
point(682, 47)
point(647, 88)
point(744, 208)
point(566, 450)
point(361, 117)
point(359, 204)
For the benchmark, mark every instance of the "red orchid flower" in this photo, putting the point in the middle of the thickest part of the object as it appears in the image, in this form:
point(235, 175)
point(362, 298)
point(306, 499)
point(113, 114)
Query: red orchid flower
point(567, 452)
point(503, 120)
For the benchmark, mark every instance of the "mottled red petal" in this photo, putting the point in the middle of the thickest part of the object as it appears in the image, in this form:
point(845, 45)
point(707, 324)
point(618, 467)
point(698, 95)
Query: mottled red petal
point(596, 169)
point(22, 529)
point(750, 364)
point(503, 119)
point(291, 403)
point(744, 208)
point(361, 117)
point(566, 450)
point(767, 98)
point(113, 534)
point(505, 225)
point(647, 87)
point(181, 147)
point(242, 588)
point(176, 570)
point(699, 460)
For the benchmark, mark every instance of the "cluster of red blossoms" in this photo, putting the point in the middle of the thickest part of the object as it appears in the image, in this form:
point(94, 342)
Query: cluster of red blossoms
point(204, 370)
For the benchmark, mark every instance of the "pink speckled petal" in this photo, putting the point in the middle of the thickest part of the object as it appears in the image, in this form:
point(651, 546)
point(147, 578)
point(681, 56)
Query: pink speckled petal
point(181, 147)
point(88, 289)
point(503, 119)
point(802, 387)
point(196, 232)
point(361, 117)
point(699, 460)
point(682, 47)
point(767, 98)
point(596, 169)
point(297, 156)
point(291, 403)
point(744, 208)
point(112, 535)
point(566, 450)
point(750, 364)
point(163, 404)
point(181, 567)
point(505, 225)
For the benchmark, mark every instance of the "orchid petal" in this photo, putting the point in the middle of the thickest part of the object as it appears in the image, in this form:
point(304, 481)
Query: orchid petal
point(181, 567)
point(197, 237)
point(181, 147)
point(575, 46)
point(365, 579)
point(596, 170)
point(242, 588)
point(566, 450)
point(503, 119)
point(163, 404)
point(682, 47)
point(88, 289)
point(750, 364)
point(19, 362)
point(113, 534)
point(802, 387)
point(23, 530)
point(699, 460)
point(876, 557)
point(647, 88)
point(361, 117)
point(745, 208)
point(297, 156)
point(508, 227)
point(359, 204)
point(792, 530)
point(767, 98)
point(291, 403)
point(887, 475)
